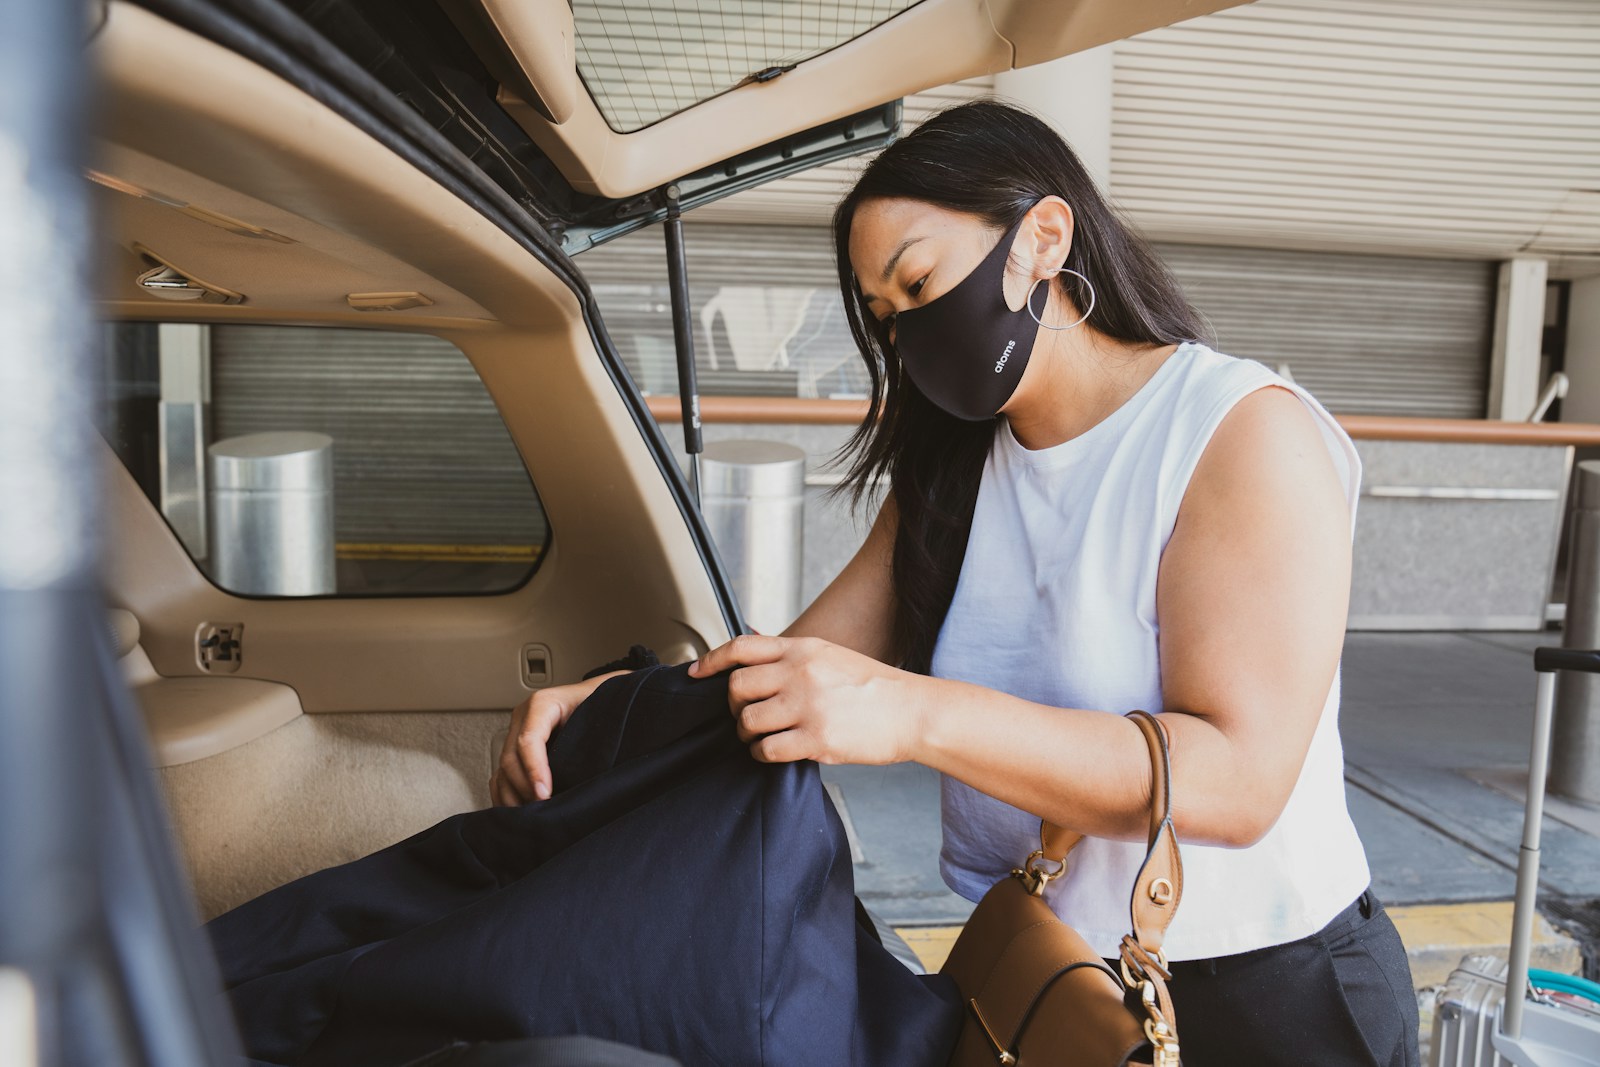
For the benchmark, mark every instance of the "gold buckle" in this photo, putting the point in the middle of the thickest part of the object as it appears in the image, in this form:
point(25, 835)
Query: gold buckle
point(1034, 876)
point(1127, 974)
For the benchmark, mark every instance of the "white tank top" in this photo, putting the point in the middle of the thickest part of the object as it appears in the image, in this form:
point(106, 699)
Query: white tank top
point(1056, 603)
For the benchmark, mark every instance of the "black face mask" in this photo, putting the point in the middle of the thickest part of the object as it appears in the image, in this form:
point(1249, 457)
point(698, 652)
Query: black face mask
point(965, 349)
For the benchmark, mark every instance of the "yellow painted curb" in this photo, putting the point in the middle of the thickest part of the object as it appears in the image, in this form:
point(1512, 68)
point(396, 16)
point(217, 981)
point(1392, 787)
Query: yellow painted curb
point(1436, 936)
point(930, 943)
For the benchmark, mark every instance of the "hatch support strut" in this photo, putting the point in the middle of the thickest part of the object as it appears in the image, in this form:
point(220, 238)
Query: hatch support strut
point(683, 340)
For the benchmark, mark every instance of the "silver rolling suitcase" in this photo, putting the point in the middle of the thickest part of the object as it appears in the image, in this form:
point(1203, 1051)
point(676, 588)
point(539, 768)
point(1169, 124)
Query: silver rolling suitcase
point(1487, 1015)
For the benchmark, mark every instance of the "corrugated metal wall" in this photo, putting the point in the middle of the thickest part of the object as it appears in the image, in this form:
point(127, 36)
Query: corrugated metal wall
point(1371, 335)
point(1467, 128)
point(420, 453)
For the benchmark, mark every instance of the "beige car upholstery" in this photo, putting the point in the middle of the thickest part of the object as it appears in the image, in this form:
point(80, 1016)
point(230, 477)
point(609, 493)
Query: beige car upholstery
point(320, 790)
point(932, 43)
point(399, 703)
point(260, 792)
point(194, 718)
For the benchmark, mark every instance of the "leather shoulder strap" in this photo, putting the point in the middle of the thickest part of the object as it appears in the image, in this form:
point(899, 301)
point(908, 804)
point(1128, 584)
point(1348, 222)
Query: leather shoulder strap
point(1159, 885)
point(1156, 891)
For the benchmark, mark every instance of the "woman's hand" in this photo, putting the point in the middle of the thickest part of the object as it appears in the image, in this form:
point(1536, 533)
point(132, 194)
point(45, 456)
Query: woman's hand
point(524, 770)
point(800, 698)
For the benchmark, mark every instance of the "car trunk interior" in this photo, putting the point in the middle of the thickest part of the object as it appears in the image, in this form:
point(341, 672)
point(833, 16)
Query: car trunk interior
point(352, 722)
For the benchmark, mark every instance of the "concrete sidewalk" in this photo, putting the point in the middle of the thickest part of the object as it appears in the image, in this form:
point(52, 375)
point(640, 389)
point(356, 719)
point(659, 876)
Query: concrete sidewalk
point(1436, 730)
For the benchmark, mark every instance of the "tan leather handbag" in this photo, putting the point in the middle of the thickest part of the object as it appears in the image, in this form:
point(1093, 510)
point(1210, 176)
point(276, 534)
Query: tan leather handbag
point(1037, 995)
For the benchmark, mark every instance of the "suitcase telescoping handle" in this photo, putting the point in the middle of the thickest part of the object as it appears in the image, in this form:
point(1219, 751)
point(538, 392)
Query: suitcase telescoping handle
point(1546, 661)
point(1550, 660)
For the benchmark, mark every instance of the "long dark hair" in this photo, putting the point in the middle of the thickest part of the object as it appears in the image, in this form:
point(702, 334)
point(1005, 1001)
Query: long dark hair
point(992, 160)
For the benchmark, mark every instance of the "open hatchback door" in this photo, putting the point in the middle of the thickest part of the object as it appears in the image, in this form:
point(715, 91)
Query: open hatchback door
point(625, 99)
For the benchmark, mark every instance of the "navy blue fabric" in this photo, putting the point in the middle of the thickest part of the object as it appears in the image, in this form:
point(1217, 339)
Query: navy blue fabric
point(674, 894)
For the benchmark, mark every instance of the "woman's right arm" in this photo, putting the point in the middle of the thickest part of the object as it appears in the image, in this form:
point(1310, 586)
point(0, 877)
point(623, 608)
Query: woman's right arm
point(855, 610)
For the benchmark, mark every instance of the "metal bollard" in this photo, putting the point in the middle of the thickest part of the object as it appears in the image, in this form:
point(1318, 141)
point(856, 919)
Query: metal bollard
point(753, 499)
point(1575, 745)
point(272, 514)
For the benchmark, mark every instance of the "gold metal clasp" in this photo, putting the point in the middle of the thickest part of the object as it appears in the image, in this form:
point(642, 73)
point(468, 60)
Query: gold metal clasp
point(1033, 873)
point(1157, 1030)
point(1164, 1043)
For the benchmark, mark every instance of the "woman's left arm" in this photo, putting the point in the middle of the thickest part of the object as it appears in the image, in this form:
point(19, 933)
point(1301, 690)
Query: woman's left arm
point(1251, 600)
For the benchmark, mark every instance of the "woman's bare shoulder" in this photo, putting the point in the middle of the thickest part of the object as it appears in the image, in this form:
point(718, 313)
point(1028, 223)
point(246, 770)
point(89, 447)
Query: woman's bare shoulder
point(1268, 450)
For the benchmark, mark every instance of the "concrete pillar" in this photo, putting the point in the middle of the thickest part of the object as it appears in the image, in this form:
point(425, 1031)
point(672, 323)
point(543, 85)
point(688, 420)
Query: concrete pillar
point(1583, 352)
point(1073, 94)
point(1518, 336)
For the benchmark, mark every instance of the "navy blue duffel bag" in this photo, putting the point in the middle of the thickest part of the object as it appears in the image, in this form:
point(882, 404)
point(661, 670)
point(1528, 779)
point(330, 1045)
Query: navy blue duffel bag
point(675, 895)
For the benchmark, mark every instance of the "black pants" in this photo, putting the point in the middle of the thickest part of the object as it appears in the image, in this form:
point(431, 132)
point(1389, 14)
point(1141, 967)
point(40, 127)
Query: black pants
point(1342, 996)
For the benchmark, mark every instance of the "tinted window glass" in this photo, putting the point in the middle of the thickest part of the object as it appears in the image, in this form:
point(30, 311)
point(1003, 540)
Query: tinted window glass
point(295, 460)
point(764, 301)
point(643, 60)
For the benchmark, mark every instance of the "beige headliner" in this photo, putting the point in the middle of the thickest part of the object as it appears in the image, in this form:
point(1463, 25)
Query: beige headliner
point(933, 43)
point(188, 120)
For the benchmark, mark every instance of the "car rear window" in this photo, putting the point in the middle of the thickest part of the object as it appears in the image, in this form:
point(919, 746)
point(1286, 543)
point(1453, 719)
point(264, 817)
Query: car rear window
point(643, 60)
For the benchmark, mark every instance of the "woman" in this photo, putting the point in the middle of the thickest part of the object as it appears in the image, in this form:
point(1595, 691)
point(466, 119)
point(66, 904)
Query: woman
point(1090, 510)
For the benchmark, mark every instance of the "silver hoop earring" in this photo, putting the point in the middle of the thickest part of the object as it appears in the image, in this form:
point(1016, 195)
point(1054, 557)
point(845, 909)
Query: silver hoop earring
point(1059, 270)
